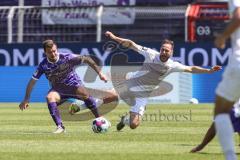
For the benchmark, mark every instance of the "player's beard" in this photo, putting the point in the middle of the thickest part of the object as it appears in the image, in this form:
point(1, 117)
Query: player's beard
point(163, 58)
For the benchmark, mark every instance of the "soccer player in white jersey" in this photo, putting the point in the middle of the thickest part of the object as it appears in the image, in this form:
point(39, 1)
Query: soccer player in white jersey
point(235, 120)
point(228, 90)
point(159, 66)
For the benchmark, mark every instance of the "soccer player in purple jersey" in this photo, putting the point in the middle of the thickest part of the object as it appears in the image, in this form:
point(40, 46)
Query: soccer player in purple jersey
point(59, 69)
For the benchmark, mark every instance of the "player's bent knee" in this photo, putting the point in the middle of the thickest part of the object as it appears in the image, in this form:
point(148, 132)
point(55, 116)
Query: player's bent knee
point(114, 97)
point(134, 125)
point(51, 98)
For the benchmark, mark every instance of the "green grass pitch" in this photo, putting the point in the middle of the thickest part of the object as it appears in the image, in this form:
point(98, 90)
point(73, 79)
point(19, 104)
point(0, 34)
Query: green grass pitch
point(26, 135)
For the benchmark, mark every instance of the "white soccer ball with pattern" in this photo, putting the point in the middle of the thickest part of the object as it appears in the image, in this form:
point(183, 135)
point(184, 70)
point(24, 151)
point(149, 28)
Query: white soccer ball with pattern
point(100, 125)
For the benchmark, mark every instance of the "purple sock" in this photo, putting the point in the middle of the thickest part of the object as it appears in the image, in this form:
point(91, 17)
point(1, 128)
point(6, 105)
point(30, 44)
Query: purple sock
point(91, 104)
point(52, 106)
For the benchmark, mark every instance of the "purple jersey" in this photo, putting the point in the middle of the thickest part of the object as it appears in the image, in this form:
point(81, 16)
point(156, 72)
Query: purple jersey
point(60, 72)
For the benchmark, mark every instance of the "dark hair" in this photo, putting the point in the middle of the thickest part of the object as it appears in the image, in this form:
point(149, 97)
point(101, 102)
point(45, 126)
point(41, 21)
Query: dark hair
point(167, 41)
point(48, 44)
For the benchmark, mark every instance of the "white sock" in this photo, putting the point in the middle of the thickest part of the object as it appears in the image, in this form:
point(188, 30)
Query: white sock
point(81, 105)
point(99, 102)
point(126, 120)
point(224, 130)
point(236, 109)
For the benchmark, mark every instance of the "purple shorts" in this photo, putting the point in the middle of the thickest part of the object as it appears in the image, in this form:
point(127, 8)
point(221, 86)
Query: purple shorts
point(66, 91)
point(235, 121)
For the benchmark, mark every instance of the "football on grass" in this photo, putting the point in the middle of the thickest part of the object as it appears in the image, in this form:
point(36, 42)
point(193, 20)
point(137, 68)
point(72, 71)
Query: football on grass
point(100, 125)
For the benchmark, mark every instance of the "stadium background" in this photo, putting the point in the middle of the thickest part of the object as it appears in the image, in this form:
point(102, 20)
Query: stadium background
point(187, 22)
point(168, 131)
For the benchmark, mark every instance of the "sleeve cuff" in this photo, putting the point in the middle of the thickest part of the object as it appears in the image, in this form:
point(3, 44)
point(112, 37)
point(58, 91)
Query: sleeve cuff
point(34, 78)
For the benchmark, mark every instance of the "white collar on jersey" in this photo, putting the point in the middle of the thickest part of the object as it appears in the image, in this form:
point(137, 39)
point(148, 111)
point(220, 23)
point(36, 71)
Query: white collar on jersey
point(56, 60)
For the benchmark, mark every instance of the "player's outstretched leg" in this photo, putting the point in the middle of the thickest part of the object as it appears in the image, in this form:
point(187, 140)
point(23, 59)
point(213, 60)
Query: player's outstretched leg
point(76, 105)
point(112, 96)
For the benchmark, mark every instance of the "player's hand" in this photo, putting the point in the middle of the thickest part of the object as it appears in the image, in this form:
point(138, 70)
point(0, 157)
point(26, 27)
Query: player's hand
point(103, 77)
point(220, 41)
point(215, 68)
point(196, 149)
point(23, 105)
point(109, 34)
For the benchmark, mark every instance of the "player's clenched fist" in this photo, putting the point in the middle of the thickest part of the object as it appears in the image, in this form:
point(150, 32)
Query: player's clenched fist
point(216, 68)
point(109, 34)
point(103, 77)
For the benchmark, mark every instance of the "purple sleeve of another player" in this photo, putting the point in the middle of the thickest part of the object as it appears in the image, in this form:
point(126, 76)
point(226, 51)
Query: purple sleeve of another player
point(37, 74)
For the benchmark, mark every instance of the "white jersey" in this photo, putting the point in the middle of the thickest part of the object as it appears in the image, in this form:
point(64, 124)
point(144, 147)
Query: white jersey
point(228, 88)
point(234, 59)
point(153, 69)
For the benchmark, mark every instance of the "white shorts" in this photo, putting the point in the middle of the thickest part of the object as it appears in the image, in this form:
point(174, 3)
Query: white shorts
point(139, 106)
point(229, 87)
